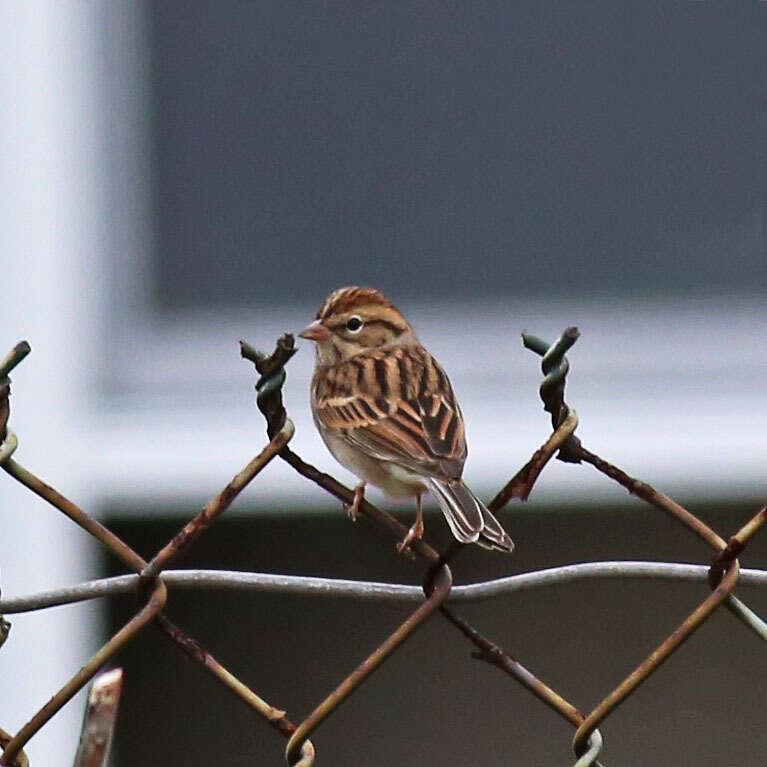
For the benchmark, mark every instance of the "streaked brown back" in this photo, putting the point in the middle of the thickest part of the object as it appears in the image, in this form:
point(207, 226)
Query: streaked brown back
point(398, 404)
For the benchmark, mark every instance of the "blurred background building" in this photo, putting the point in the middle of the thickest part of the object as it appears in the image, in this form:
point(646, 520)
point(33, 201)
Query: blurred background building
point(177, 176)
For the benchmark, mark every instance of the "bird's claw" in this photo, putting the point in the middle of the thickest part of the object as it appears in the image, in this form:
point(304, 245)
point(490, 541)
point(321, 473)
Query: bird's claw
point(414, 534)
point(353, 508)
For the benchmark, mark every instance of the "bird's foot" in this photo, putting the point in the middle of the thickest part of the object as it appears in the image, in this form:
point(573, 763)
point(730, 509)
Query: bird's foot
point(353, 509)
point(414, 534)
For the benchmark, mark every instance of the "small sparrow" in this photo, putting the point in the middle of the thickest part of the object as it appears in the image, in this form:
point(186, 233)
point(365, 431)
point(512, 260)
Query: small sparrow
point(387, 412)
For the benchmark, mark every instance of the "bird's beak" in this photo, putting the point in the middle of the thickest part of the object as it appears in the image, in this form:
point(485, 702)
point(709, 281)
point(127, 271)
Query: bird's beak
point(315, 332)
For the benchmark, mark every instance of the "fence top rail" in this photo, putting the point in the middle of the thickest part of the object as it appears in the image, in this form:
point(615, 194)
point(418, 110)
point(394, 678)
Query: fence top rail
point(369, 590)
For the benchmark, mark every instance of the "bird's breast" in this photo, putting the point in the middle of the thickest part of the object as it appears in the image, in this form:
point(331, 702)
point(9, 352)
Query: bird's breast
point(394, 480)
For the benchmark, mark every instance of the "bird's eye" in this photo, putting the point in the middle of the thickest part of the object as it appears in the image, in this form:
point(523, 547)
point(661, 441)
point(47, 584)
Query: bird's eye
point(354, 324)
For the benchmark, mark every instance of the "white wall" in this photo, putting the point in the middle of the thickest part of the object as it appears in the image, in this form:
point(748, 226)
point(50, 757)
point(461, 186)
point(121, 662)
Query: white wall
point(49, 235)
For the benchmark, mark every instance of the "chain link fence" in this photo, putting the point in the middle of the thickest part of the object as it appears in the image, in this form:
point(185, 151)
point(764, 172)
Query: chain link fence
point(151, 579)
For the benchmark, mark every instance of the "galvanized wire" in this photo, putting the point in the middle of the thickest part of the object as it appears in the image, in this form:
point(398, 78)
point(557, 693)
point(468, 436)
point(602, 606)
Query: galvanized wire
point(302, 585)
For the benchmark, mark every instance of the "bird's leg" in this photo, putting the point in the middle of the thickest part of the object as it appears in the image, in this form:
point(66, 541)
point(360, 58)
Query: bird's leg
point(353, 509)
point(416, 531)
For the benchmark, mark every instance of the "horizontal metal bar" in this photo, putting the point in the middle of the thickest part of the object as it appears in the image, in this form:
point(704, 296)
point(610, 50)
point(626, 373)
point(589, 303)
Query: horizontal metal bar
point(392, 592)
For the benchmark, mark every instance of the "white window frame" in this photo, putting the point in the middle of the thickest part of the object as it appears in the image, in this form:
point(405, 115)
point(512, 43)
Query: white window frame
point(669, 389)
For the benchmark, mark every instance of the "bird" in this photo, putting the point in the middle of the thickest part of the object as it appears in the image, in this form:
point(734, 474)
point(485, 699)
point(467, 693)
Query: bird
point(386, 411)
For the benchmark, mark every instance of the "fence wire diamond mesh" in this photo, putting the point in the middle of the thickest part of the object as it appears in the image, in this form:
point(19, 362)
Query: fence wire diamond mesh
point(150, 580)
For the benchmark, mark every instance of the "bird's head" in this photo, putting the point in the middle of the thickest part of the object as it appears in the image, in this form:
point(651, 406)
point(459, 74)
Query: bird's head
point(354, 320)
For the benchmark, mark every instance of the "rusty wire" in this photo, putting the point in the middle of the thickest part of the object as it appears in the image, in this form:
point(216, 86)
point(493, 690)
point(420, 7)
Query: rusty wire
point(152, 578)
point(270, 403)
point(723, 574)
point(151, 589)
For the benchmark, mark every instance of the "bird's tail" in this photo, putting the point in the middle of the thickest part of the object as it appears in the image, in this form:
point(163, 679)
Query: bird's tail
point(469, 518)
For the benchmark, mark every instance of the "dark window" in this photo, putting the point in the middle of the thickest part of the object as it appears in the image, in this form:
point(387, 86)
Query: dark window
point(483, 149)
point(431, 703)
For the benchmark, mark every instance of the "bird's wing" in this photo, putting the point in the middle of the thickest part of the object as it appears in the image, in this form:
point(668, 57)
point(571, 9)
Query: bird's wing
point(397, 405)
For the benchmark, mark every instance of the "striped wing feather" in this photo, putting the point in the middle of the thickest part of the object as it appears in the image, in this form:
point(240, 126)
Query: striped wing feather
point(398, 405)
